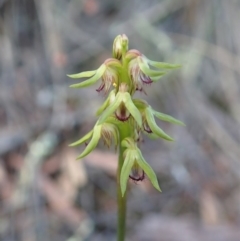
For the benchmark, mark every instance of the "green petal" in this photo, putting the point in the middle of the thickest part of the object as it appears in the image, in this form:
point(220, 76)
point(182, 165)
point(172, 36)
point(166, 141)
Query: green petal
point(112, 120)
point(148, 170)
point(167, 118)
point(162, 65)
point(85, 74)
point(152, 136)
point(93, 143)
point(146, 70)
point(113, 63)
point(156, 78)
point(116, 136)
point(154, 127)
point(129, 143)
point(83, 139)
point(126, 169)
point(105, 104)
point(132, 108)
point(92, 80)
point(140, 104)
point(111, 108)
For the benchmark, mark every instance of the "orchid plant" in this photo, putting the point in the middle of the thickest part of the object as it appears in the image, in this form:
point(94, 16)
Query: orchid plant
point(122, 118)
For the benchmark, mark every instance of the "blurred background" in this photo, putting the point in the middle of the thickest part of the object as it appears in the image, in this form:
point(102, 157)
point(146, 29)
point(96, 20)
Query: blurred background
point(45, 194)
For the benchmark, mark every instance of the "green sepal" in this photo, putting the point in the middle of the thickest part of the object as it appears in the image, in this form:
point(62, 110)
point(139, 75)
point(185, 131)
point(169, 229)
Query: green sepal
point(125, 171)
point(167, 118)
point(105, 104)
point(140, 104)
point(84, 74)
point(116, 140)
point(116, 136)
point(93, 143)
point(151, 136)
point(110, 109)
point(83, 139)
point(132, 54)
point(154, 127)
point(146, 70)
point(127, 100)
point(92, 80)
point(132, 108)
point(148, 170)
point(156, 78)
point(113, 63)
point(162, 65)
point(129, 143)
point(113, 120)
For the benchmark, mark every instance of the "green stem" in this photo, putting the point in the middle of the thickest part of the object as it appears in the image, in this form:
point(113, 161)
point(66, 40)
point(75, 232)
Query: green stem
point(124, 131)
point(121, 200)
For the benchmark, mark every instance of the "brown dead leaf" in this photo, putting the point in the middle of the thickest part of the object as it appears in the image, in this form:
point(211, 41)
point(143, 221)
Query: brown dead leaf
point(73, 174)
point(210, 208)
point(60, 203)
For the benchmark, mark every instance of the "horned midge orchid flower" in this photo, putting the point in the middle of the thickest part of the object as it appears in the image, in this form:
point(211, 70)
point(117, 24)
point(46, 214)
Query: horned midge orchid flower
point(149, 124)
point(134, 161)
point(123, 106)
point(108, 72)
point(107, 131)
point(140, 72)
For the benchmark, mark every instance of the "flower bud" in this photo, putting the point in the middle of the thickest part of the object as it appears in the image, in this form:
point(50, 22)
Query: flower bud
point(120, 44)
point(137, 77)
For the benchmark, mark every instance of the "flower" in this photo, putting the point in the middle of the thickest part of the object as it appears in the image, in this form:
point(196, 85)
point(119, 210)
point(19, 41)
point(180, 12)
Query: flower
point(139, 70)
point(134, 161)
point(148, 121)
point(107, 131)
point(122, 105)
point(109, 77)
point(108, 72)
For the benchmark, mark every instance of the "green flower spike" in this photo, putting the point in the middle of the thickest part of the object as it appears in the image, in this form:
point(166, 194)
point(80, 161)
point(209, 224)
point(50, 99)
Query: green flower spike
point(107, 131)
point(108, 72)
point(134, 161)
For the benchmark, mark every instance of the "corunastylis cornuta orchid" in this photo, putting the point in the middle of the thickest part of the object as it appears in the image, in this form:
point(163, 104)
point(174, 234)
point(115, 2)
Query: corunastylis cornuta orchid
point(122, 119)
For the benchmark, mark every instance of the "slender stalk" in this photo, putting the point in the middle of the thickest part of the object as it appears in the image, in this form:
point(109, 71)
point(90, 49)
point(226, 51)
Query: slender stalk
point(121, 200)
point(124, 131)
